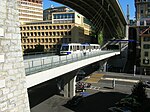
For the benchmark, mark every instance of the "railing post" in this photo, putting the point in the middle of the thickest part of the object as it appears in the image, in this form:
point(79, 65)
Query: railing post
point(59, 60)
point(41, 63)
point(71, 57)
point(66, 59)
point(32, 63)
point(29, 66)
point(51, 62)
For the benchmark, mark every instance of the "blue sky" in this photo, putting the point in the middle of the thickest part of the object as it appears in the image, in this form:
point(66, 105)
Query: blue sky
point(123, 3)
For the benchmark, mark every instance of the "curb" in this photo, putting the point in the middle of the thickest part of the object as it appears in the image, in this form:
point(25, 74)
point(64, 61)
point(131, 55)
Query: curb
point(124, 80)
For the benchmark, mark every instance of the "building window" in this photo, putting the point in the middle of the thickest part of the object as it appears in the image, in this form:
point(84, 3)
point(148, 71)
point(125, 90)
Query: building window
point(141, 22)
point(141, 11)
point(42, 27)
point(146, 54)
point(46, 33)
point(69, 33)
point(145, 61)
point(35, 27)
point(146, 39)
point(146, 46)
point(50, 40)
point(46, 27)
point(50, 33)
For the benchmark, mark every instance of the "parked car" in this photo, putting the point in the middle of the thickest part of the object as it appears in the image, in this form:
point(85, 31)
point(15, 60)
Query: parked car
point(81, 86)
point(75, 101)
point(118, 109)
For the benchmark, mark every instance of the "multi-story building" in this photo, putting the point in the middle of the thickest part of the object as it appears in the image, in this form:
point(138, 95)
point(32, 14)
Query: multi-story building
point(145, 48)
point(47, 13)
point(65, 27)
point(143, 34)
point(30, 10)
point(142, 12)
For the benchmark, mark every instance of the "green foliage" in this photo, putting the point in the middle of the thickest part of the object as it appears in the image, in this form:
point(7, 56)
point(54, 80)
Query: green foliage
point(135, 101)
point(100, 38)
point(138, 90)
point(129, 102)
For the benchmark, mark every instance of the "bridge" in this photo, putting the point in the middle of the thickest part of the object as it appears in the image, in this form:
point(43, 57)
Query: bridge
point(46, 68)
point(105, 15)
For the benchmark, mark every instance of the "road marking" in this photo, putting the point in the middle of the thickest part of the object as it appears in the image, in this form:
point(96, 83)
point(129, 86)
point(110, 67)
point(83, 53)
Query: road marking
point(94, 88)
point(94, 78)
point(124, 80)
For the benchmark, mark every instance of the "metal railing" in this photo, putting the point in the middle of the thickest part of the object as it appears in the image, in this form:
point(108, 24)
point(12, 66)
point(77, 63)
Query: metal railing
point(45, 63)
point(38, 54)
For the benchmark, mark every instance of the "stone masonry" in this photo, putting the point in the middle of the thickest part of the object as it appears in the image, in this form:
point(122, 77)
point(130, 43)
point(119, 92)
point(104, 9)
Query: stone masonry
point(13, 90)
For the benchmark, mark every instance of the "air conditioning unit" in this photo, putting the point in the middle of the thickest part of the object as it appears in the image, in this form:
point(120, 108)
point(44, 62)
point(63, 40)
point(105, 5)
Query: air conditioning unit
point(145, 61)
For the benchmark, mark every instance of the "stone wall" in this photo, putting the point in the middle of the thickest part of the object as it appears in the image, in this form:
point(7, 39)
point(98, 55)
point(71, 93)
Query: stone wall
point(13, 91)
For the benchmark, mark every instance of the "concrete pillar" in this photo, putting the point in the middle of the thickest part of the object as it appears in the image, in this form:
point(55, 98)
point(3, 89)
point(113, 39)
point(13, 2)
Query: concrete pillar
point(66, 93)
point(72, 87)
point(69, 86)
point(13, 90)
point(127, 32)
point(105, 67)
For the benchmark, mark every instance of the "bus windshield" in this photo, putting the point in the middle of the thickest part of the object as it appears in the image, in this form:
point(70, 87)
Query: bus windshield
point(64, 48)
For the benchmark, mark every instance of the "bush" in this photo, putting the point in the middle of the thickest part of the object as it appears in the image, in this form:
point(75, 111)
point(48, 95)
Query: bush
point(138, 90)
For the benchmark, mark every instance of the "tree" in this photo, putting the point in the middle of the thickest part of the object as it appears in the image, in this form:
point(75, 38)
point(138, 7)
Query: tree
point(100, 38)
point(139, 91)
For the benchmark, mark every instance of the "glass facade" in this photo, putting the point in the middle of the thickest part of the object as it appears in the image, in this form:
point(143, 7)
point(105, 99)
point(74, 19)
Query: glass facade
point(64, 18)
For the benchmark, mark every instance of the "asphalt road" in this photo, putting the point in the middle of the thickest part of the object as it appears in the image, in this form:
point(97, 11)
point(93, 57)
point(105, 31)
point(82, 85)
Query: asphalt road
point(101, 96)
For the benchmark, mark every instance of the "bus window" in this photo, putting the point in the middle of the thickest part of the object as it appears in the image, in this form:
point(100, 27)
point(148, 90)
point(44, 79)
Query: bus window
point(70, 48)
point(83, 47)
point(77, 47)
point(65, 48)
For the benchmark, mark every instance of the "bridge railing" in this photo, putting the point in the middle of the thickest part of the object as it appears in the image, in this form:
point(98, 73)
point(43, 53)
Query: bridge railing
point(45, 63)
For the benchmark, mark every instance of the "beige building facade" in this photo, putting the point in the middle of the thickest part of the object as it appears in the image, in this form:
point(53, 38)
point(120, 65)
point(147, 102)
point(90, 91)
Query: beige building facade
point(142, 12)
point(30, 10)
point(51, 36)
point(62, 25)
point(145, 48)
point(143, 32)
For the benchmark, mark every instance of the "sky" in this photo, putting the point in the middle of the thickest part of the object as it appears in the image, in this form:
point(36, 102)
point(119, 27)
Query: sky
point(123, 3)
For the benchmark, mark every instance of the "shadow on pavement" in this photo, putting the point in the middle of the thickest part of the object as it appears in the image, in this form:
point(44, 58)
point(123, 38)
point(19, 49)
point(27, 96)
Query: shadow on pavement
point(99, 102)
point(108, 87)
point(42, 92)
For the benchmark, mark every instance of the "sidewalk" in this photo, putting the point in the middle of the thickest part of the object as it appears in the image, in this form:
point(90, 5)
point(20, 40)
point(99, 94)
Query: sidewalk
point(53, 104)
point(124, 76)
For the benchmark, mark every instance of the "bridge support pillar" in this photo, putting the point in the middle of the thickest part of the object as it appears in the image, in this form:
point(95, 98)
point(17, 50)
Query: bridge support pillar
point(105, 67)
point(69, 87)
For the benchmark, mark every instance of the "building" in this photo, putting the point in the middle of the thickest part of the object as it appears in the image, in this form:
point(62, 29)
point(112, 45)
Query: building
point(145, 49)
point(47, 13)
point(52, 34)
point(30, 10)
point(142, 12)
point(143, 35)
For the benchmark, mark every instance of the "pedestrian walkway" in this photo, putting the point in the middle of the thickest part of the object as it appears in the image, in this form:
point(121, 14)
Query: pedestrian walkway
point(124, 77)
point(94, 78)
point(123, 80)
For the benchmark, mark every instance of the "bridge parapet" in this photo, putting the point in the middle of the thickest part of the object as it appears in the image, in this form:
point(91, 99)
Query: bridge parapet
point(45, 63)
